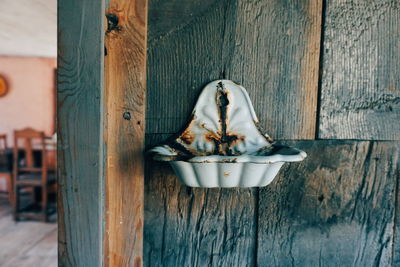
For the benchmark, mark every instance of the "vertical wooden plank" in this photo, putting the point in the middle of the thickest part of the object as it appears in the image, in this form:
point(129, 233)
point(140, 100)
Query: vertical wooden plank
point(125, 72)
point(360, 97)
point(270, 47)
point(396, 247)
point(336, 208)
point(184, 54)
point(273, 50)
point(196, 227)
point(80, 144)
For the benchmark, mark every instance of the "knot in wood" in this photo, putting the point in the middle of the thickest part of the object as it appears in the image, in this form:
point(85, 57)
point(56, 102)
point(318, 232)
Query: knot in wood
point(127, 115)
point(112, 22)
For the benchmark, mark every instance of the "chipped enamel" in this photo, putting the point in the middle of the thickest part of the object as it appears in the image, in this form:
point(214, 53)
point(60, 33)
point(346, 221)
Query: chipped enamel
point(222, 145)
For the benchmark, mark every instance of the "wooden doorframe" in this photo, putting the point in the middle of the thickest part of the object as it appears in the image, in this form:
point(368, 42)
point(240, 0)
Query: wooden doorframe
point(101, 121)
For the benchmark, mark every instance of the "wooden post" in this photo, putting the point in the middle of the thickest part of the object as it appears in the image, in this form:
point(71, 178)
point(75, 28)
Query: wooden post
point(101, 132)
point(125, 72)
point(80, 140)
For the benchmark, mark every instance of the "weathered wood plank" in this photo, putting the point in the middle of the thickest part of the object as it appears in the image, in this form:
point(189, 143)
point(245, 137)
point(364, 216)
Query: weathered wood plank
point(196, 227)
point(360, 95)
point(276, 57)
point(184, 54)
point(271, 47)
point(125, 72)
point(80, 146)
point(336, 208)
point(396, 247)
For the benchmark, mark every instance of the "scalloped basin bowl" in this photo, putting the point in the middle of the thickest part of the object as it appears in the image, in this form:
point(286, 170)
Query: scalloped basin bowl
point(225, 174)
point(222, 145)
point(231, 174)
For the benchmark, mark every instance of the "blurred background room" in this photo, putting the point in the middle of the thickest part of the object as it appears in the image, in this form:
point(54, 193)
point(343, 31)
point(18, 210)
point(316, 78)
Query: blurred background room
point(28, 49)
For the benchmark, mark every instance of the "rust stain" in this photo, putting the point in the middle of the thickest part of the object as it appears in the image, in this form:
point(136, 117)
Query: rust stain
point(225, 142)
point(211, 137)
point(187, 137)
point(139, 224)
point(236, 139)
point(138, 261)
point(257, 124)
point(233, 160)
point(226, 174)
point(392, 88)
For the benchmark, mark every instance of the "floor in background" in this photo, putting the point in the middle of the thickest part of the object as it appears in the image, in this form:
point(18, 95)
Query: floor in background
point(26, 243)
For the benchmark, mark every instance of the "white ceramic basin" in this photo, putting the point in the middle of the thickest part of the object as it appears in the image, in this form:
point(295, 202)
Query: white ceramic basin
point(222, 145)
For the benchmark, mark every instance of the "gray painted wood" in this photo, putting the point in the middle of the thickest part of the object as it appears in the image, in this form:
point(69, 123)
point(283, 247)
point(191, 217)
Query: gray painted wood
point(360, 95)
point(196, 227)
point(80, 86)
point(336, 208)
point(270, 47)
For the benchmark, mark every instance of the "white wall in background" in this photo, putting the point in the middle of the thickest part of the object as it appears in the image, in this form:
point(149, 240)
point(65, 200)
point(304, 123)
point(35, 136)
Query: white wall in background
point(28, 28)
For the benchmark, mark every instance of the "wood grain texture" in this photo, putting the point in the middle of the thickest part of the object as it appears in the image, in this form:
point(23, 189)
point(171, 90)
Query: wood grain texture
point(270, 47)
point(80, 145)
point(396, 247)
point(182, 58)
point(125, 72)
point(336, 208)
point(196, 227)
point(276, 57)
point(360, 95)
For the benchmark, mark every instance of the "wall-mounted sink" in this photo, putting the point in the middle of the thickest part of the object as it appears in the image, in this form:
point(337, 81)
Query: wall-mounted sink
point(222, 145)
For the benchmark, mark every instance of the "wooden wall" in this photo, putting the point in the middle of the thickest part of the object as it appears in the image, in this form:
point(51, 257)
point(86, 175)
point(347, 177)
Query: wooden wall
point(324, 77)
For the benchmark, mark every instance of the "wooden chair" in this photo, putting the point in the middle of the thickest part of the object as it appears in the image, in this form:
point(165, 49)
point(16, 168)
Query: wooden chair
point(27, 174)
point(5, 170)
